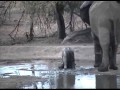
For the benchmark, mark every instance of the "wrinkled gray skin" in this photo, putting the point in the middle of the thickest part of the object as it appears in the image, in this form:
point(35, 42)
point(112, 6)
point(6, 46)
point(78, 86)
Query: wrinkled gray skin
point(105, 25)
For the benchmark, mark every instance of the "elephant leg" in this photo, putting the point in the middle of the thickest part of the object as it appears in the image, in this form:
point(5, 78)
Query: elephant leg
point(112, 54)
point(97, 51)
point(105, 59)
point(104, 38)
point(113, 59)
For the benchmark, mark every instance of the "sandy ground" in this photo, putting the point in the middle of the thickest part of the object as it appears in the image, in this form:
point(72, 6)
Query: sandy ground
point(83, 54)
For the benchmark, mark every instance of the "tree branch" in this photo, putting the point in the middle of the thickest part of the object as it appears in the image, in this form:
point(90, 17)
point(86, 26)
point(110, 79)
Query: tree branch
point(17, 25)
point(76, 14)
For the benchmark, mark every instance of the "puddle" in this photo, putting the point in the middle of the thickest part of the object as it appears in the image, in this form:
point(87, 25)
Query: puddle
point(21, 70)
point(40, 76)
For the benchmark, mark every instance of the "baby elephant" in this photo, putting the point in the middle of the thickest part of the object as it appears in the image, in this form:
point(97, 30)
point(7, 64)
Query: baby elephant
point(68, 59)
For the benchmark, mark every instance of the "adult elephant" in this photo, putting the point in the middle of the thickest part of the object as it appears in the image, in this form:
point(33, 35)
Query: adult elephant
point(105, 26)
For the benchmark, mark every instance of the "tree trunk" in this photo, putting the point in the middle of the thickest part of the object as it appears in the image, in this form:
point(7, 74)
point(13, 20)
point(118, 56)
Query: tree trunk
point(31, 28)
point(60, 21)
point(71, 19)
point(31, 31)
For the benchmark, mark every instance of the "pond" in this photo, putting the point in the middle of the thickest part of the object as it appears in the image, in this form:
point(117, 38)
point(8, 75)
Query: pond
point(41, 76)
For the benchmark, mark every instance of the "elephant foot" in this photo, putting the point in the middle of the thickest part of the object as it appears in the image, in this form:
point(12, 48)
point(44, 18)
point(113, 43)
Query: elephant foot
point(102, 68)
point(61, 67)
point(113, 67)
point(96, 64)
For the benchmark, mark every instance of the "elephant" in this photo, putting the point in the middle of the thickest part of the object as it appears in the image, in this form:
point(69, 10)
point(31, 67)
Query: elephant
point(84, 14)
point(68, 59)
point(104, 19)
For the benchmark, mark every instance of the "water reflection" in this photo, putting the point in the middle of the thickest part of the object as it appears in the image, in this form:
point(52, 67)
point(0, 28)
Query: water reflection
point(65, 81)
point(55, 79)
point(106, 81)
point(23, 70)
point(85, 82)
point(69, 81)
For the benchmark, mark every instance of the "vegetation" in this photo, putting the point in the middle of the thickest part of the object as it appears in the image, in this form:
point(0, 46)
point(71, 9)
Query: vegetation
point(50, 11)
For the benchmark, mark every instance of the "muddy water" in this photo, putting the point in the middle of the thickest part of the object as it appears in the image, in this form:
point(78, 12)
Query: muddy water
point(39, 75)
